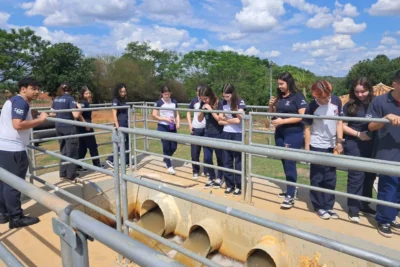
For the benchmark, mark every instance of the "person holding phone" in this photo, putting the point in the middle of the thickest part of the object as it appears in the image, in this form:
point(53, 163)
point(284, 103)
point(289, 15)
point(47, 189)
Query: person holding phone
point(359, 143)
point(196, 128)
point(326, 136)
point(288, 131)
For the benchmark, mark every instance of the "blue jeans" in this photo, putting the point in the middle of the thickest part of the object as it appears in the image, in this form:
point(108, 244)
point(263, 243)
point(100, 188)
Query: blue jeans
point(232, 160)
point(289, 140)
point(388, 190)
point(169, 147)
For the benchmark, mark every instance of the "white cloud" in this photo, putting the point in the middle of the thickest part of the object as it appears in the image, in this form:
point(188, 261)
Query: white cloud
point(158, 37)
point(385, 8)
point(320, 52)
point(339, 41)
point(388, 40)
point(74, 12)
point(204, 45)
point(4, 18)
point(381, 47)
point(398, 32)
point(347, 10)
point(252, 51)
point(309, 62)
point(331, 58)
point(259, 15)
point(272, 54)
point(390, 52)
point(348, 26)
point(307, 7)
point(321, 20)
point(232, 36)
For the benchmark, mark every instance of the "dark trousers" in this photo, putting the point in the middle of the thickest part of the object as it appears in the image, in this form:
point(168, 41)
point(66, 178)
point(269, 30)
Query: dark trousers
point(195, 151)
point(388, 190)
point(169, 147)
point(232, 160)
point(208, 157)
point(289, 140)
point(88, 142)
point(127, 147)
point(10, 198)
point(69, 148)
point(359, 183)
point(323, 177)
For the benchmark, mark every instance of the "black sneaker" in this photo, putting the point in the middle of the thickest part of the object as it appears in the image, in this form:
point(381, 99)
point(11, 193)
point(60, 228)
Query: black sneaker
point(354, 217)
point(368, 211)
point(395, 226)
point(3, 218)
point(288, 203)
point(218, 183)
point(82, 169)
point(209, 184)
point(384, 229)
point(282, 195)
point(23, 221)
point(228, 191)
point(237, 192)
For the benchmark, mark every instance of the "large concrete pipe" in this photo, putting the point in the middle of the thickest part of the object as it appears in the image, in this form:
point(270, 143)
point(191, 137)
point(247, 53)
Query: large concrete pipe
point(267, 253)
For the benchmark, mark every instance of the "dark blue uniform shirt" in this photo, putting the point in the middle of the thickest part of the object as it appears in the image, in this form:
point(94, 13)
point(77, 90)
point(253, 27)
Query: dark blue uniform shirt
point(387, 145)
point(291, 104)
point(87, 115)
point(122, 114)
point(356, 125)
point(65, 101)
point(212, 126)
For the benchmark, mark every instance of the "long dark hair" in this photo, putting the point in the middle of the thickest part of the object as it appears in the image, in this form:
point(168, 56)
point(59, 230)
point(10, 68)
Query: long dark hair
point(82, 92)
point(64, 88)
point(117, 88)
point(206, 91)
point(355, 103)
point(230, 89)
point(164, 89)
point(288, 78)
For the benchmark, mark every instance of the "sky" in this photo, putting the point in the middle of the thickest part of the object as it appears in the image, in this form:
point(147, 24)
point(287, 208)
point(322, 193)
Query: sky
point(326, 37)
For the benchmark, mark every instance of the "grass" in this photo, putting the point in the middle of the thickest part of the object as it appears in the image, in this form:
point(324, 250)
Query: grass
point(260, 166)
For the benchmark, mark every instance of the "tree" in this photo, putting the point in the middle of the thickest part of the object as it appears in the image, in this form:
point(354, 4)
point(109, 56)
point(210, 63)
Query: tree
point(63, 62)
point(19, 49)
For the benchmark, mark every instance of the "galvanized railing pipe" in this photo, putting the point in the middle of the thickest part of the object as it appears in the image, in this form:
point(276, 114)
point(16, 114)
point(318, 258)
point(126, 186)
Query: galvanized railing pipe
point(8, 258)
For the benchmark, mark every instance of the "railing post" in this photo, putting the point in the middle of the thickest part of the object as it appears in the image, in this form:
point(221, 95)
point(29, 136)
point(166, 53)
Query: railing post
point(243, 163)
point(129, 136)
point(124, 188)
point(66, 250)
point(33, 157)
point(249, 168)
point(146, 126)
point(80, 255)
point(117, 164)
point(135, 143)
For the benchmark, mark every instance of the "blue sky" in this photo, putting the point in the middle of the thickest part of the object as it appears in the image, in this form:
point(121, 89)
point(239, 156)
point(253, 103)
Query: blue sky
point(326, 37)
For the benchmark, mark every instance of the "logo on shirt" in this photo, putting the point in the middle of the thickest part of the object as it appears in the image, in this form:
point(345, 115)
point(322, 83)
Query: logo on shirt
point(19, 111)
point(287, 103)
point(368, 116)
point(303, 102)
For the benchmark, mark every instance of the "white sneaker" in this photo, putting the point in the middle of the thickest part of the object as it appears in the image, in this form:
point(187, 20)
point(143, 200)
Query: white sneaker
point(171, 171)
point(195, 176)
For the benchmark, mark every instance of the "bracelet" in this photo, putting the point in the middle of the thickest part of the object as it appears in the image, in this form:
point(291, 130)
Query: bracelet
point(358, 134)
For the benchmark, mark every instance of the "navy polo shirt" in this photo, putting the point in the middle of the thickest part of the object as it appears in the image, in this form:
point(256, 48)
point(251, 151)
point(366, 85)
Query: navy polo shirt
point(387, 142)
point(87, 115)
point(65, 101)
point(358, 126)
point(212, 126)
point(291, 104)
point(122, 114)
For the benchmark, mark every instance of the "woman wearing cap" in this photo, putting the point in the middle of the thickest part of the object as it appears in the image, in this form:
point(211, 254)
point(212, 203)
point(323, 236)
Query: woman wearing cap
point(326, 136)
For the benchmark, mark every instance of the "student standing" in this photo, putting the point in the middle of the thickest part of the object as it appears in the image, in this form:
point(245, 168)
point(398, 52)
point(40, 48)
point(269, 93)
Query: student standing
point(359, 143)
point(209, 101)
point(168, 121)
point(323, 136)
point(87, 142)
point(387, 147)
point(120, 118)
point(15, 124)
point(196, 128)
point(232, 131)
point(288, 131)
point(69, 146)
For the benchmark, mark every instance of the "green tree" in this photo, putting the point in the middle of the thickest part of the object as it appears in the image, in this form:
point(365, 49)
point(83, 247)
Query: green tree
point(63, 62)
point(19, 49)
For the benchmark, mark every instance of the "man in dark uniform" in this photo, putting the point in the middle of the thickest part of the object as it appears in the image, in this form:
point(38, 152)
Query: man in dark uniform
point(15, 124)
point(69, 146)
point(387, 148)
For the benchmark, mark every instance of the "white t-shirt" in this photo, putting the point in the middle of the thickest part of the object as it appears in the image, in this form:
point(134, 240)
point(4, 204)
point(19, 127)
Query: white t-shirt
point(166, 113)
point(11, 139)
point(195, 104)
point(233, 128)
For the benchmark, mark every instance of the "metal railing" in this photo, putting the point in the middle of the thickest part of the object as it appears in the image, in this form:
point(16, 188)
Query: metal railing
point(120, 184)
